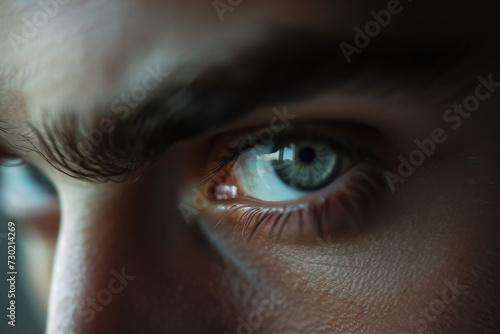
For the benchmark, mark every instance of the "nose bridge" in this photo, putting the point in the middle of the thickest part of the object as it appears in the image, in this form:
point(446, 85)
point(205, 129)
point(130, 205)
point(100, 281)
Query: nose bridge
point(94, 270)
point(126, 262)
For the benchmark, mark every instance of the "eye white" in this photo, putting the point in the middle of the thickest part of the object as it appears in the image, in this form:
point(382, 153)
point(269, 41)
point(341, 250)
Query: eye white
point(257, 176)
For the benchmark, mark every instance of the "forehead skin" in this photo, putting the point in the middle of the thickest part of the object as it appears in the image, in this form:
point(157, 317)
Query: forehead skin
point(93, 49)
point(100, 43)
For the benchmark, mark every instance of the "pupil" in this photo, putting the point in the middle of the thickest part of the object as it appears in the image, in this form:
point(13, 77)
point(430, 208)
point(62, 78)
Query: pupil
point(307, 155)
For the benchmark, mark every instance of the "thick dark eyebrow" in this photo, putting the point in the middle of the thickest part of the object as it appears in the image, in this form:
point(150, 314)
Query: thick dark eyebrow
point(287, 66)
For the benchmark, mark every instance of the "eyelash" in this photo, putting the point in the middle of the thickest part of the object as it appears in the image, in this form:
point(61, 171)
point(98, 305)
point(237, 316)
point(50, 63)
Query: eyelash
point(343, 208)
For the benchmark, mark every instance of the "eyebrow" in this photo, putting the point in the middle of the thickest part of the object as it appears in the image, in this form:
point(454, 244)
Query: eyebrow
point(287, 66)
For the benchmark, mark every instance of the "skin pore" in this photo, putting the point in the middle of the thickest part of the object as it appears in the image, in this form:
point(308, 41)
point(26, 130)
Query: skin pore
point(424, 259)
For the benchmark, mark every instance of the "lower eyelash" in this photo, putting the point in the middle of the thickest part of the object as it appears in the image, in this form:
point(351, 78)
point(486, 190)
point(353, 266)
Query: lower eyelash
point(330, 216)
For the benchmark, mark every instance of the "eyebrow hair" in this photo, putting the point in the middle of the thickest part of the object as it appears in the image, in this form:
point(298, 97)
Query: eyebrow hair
point(287, 66)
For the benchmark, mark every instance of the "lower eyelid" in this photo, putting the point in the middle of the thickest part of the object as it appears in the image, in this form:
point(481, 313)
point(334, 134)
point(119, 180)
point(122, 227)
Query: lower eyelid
point(333, 211)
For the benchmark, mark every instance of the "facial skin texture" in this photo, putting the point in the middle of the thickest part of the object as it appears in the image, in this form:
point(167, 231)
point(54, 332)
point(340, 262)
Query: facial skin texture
point(439, 228)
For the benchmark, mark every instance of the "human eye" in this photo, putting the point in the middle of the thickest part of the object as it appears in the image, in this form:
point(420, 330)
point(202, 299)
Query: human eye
point(305, 179)
point(26, 192)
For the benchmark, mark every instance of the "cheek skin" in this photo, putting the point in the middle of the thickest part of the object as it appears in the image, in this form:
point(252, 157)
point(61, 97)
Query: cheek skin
point(429, 235)
point(423, 266)
point(376, 281)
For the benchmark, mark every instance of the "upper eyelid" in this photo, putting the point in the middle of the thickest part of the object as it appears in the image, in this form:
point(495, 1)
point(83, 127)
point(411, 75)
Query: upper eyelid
point(231, 153)
point(297, 131)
